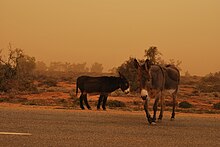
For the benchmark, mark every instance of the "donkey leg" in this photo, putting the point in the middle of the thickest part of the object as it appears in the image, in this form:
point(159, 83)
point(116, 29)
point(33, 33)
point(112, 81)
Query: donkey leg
point(81, 102)
point(99, 101)
point(161, 107)
point(155, 108)
point(86, 102)
point(174, 105)
point(104, 102)
point(147, 112)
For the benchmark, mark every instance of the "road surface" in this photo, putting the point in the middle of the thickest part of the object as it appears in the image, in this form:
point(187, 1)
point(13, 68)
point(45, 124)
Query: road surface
point(49, 127)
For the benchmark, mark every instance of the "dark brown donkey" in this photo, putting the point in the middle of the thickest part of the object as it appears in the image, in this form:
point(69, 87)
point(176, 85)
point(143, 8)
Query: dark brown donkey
point(154, 80)
point(100, 85)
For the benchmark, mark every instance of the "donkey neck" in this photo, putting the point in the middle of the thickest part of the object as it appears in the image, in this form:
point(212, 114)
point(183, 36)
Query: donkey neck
point(114, 83)
point(157, 75)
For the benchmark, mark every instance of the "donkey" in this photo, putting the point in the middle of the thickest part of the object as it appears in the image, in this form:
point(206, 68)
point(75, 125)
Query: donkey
point(100, 85)
point(154, 80)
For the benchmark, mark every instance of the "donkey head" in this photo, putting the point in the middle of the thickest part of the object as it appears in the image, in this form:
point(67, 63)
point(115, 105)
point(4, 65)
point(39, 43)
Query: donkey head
point(124, 84)
point(144, 77)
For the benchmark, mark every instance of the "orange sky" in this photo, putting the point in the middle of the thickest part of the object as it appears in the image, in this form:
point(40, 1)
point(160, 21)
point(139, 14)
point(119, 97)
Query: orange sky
point(110, 31)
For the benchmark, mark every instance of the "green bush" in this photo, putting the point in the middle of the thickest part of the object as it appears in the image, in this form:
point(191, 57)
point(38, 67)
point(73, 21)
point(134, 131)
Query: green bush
point(185, 104)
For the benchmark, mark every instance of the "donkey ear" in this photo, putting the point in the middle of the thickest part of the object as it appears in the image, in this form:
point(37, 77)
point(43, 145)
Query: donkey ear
point(120, 75)
point(136, 64)
point(148, 64)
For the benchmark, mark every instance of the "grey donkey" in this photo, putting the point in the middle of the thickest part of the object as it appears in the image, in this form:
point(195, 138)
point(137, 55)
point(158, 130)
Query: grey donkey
point(154, 80)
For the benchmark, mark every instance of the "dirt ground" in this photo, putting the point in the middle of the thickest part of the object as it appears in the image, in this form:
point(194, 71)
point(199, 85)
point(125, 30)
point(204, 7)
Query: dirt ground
point(62, 96)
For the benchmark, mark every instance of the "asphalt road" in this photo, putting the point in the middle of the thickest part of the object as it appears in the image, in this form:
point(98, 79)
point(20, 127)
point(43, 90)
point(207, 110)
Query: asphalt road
point(50, 127)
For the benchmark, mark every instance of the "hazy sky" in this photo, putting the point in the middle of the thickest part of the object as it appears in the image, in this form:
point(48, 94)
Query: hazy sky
point(111, 31)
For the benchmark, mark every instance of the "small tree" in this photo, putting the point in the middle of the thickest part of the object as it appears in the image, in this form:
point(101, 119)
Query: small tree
point(80, 67)
point(25, 66)
point(96, 68)
point(41, 66)
point(56, 66)
point(15, 70)
point(175, 63)
point(113, 70)
point(130, 72)
point(153, 55)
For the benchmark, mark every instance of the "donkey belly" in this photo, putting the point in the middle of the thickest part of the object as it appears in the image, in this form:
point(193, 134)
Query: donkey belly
point(93, 88)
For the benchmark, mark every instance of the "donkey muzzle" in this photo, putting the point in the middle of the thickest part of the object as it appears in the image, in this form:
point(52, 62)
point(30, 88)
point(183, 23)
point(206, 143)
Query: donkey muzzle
point(144, 97)
point(127, 91)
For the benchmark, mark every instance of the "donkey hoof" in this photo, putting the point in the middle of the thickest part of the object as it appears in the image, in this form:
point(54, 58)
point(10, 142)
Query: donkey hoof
point(90, 108)
point(172, 119)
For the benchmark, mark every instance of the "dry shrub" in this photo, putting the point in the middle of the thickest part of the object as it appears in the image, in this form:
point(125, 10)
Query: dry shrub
point(4, 99)
point(210, 83)
point(215, 94)
point(216, 106)
point(204, 87)
point(185, 104)
point(50, 82)
point(137, 103)
point(115, 103)
point(75, 100)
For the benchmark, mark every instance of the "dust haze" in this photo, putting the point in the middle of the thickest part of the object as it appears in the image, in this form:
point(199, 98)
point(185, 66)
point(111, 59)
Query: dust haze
point(109, 32)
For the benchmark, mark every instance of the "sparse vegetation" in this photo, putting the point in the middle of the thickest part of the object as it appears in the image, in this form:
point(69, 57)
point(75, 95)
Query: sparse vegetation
point(74, 100)
point(216, 106)
point(14, 99)
point(215, 94)
point(115, 103)
point(185, 104)
point(4, 99)
point(16, 71)
point(137, 102)
point(210, 83)
point(96, 68)
point(50, 82)
point(130, 72)
point(20, 80)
